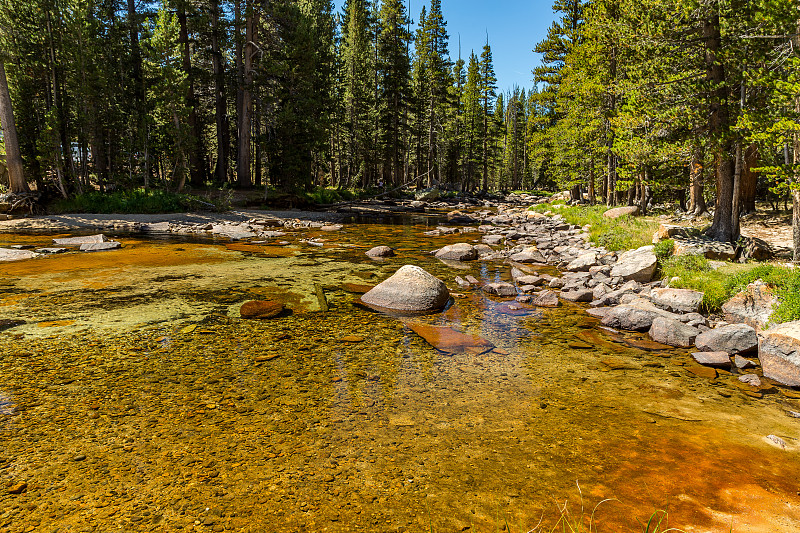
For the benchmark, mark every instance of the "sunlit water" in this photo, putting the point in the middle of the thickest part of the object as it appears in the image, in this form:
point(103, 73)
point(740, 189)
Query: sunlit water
point(135, 399)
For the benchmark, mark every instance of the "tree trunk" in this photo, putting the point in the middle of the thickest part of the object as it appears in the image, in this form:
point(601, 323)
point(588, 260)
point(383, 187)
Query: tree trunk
point(140, 133)
point(722, 228)
point(796, 161)
point(16, 176)
point(245, 118)
point(220, 103)
point(197, 173)
point(697, 203)
point(749, 183)
point(592, 193)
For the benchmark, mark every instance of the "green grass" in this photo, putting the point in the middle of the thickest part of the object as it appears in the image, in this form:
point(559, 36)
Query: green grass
point(130, 202)
point(722, 283)
point(622, 233)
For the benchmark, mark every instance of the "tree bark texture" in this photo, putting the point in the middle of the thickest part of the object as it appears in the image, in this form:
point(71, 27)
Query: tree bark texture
point(749, 183)
point(220, 102)
point(197, 173)
point(16, 175)
point(722, 228)
point(245, 118)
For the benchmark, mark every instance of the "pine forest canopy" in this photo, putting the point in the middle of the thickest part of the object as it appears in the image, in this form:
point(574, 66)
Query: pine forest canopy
point(631, 100)
point(285, 94)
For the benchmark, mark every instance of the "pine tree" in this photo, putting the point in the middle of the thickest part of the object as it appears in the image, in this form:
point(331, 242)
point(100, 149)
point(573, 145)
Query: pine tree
point(395, 76)
point(488, 84)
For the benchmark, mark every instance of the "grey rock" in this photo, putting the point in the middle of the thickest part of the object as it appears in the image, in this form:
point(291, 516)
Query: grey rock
point(716, 359)
point(529, 255)
point(458, 252)
point(50, 250)
point(617, 212)
point(545, 299)
point(530, 280)
point(672, 332)
point(637, 265)
point(753, 306)
point(583, 262)
point(629, 318)
point(742, 363)
point(677, 300)
point(493, 240)
point(380, 251)
point(77, 241)
point(500, 289)
point(751, 379)
point(100, 246)
point(779, 353)
point(733, 339)
point(581, 295)
point(427, 195)
point(9, 254)
point(410, 289)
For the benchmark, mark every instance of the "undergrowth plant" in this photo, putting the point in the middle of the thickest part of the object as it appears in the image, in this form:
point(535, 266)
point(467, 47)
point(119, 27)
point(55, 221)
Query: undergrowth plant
point(131, 201)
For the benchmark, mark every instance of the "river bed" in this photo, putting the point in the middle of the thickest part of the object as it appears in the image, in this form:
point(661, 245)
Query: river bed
point(134, 398)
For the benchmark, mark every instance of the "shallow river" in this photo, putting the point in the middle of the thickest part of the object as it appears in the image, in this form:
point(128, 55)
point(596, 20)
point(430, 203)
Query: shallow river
point(135, 399)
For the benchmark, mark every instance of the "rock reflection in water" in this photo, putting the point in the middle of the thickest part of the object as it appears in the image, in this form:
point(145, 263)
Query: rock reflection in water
point(197, 420)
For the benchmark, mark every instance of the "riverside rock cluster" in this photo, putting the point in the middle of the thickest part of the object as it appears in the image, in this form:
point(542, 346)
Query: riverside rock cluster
point(620, 290)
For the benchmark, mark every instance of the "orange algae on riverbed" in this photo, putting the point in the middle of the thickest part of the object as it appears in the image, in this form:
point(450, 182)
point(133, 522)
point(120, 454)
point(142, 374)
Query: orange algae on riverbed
point(134, 253)
point(205, 421)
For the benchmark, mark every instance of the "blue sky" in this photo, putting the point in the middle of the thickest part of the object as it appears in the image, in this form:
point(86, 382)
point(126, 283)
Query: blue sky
point(514, 27)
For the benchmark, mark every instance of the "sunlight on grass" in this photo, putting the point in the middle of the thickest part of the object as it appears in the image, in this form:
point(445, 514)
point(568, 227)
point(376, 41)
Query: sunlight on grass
point(622, 233)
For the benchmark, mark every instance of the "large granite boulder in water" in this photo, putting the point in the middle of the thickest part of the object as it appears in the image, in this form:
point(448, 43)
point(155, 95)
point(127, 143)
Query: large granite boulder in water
point(779, 353)
point(410, 289)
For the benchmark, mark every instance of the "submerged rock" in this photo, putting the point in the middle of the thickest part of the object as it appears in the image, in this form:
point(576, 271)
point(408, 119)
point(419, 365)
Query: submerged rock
point(261, 309)
point(100, 246)
point(380, 251)
point(450, 340)
point(410, 289)
point(500, 289)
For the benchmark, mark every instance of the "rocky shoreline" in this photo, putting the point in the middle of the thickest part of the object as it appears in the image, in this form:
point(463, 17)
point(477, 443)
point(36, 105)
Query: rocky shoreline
point(618, 287)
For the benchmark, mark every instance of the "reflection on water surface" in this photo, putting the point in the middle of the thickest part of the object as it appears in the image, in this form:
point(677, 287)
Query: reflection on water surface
point(142, 403)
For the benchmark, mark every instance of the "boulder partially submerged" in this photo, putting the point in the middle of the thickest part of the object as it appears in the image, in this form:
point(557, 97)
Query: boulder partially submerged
point(779, 353)
point(410, 290)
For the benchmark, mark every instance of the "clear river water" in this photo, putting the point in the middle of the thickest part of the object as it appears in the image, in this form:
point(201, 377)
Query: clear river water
point(134, 398)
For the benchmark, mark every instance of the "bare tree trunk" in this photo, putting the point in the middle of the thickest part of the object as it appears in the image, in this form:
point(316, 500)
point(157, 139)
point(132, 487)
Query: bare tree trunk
point(195, 141)
point(592, 193)
point(245, 118)
point(220, 103)
point(796, 161)
point(16, 175)
point(749, 183)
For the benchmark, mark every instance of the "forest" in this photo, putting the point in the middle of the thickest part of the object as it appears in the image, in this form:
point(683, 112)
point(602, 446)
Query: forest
point(691, 101)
